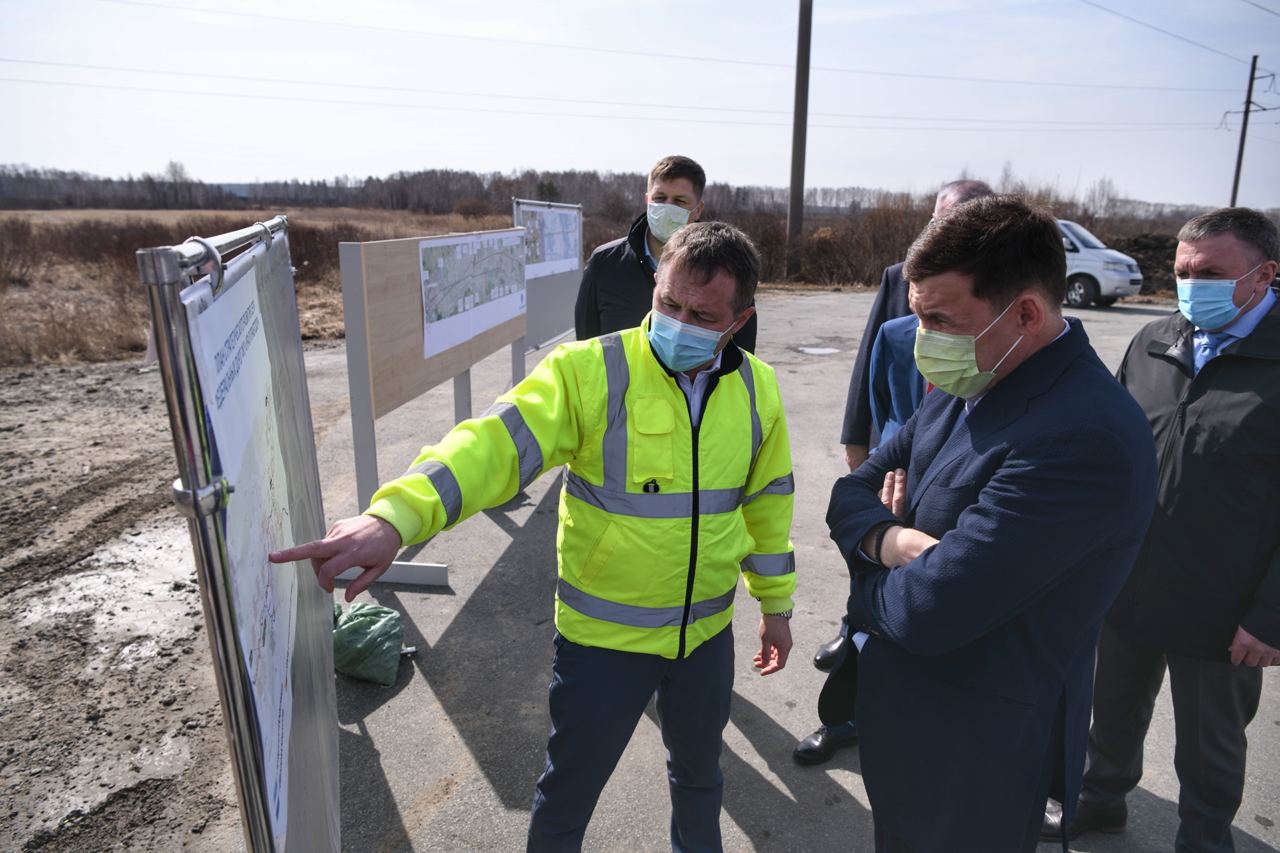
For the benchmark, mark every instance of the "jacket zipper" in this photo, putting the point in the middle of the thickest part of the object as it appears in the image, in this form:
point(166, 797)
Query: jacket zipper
point(1177, 429)
point(693, 530)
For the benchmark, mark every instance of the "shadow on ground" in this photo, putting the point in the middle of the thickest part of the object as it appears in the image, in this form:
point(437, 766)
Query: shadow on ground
point(1152, 827)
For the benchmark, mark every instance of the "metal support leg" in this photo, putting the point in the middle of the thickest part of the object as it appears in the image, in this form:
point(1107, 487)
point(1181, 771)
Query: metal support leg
point(462, 396)
point(517, 360)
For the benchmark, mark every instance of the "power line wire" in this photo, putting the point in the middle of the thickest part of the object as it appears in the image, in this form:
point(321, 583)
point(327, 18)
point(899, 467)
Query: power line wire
point(611, 103)
point(1263, 8)
point(1134, 20)
point(149, 4)
point(1078, 128)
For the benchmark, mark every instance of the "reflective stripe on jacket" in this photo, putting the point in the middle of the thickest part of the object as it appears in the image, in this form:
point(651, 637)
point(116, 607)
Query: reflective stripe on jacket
point(657, 519)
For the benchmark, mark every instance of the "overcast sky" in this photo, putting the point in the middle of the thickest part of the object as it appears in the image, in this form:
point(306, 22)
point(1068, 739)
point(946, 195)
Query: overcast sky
point(313, 88)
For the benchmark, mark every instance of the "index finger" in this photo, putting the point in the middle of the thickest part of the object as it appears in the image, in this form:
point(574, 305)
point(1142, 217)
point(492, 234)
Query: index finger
point(321, 548)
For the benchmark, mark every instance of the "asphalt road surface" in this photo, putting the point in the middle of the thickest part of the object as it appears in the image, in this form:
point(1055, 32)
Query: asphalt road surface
point(446, 759)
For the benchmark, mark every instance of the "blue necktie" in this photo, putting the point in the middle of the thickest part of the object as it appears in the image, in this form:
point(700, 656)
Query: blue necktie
point(1213, 343)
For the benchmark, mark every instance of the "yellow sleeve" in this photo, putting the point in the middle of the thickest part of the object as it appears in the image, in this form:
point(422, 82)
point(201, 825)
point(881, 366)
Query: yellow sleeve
point(483, 462)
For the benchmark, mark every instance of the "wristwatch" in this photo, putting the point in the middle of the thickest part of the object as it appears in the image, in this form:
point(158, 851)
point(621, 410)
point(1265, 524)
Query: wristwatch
point(786, 614)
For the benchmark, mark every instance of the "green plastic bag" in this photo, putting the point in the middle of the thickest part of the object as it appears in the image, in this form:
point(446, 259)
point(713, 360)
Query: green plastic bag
point(366, 642)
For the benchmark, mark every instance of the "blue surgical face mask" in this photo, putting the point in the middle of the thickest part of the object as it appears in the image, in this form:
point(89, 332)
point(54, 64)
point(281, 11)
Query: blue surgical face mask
point(682, 346)
point(666, 219)
point(1207, 302)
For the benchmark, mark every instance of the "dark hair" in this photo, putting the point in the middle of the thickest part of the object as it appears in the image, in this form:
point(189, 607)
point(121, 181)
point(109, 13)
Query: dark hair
point(1000, 240)
point(708, 247)
point(677, 166)
point(958, 192)
point(1248, 226)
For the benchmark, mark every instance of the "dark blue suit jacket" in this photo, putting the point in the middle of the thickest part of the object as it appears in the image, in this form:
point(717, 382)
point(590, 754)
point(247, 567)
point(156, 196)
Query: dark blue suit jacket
point(976, 684)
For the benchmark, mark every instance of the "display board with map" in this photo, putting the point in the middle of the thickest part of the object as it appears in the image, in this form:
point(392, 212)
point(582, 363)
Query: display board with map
point(552, 238)
point(231, 360)
point(470, 284)
point(552, 265)
point(420, 311)
point(246, 354)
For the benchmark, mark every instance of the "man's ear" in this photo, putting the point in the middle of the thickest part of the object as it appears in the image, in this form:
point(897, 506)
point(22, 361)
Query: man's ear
point(695, 215)
point(1033, 311)
point(1267, 273)
point(743, 317)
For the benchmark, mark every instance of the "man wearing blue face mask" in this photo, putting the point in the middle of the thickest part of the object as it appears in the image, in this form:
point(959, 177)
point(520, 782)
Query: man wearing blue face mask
point(618, 282)
point(1203, 600)
point(987, 538)
point(677, 487)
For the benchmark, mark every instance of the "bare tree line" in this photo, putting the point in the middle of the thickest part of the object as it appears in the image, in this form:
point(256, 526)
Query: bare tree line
point(609, 195)
point(850, 233)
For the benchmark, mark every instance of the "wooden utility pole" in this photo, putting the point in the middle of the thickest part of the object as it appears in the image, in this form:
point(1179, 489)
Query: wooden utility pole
point(795, 206)
point(1244, 128)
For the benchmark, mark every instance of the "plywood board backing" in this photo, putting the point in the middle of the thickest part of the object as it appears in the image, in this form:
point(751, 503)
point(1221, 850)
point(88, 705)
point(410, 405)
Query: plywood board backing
point(393, 328)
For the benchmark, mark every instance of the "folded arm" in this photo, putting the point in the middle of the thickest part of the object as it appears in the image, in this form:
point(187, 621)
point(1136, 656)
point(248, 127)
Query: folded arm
point(1014, 545)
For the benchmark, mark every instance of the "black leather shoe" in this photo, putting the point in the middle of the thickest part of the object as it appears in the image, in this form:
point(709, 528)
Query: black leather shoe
point(828, 652)
point(1090, 817)
point(818, 747)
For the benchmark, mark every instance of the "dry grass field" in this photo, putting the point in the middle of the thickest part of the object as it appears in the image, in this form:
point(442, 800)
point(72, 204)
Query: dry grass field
point(69, 289)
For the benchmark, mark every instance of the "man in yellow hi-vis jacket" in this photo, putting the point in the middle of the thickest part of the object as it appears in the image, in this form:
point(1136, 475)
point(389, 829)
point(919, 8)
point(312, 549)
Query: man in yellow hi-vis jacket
point(678, 480)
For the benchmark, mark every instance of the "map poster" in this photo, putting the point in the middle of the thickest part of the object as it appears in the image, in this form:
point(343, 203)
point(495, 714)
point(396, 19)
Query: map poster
point(235, 380)
point(470, 284)
point(552, 239)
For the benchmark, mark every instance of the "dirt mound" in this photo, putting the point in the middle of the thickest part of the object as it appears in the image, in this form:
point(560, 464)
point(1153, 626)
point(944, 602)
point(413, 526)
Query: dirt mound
point(1154, 254)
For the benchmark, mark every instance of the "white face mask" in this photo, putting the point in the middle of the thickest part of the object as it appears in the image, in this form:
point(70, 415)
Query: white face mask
point(666, 219)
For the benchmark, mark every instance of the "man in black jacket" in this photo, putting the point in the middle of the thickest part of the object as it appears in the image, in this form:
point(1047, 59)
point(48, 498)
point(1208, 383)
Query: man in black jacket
point(617, 284)
point(1204, 596)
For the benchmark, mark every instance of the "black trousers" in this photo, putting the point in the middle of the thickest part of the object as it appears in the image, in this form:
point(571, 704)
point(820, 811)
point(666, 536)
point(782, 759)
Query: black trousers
point(1213, 702)
point(597, 697)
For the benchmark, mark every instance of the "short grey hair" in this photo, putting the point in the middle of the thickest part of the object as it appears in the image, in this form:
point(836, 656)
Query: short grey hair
point(958, 192)
point(709, 247)
point(1249, 226)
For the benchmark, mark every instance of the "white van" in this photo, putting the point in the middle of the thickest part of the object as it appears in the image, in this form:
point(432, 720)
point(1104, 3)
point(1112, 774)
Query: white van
point(1096, 274)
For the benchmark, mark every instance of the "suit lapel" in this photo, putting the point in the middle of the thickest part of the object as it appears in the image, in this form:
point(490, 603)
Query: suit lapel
point(947, 440)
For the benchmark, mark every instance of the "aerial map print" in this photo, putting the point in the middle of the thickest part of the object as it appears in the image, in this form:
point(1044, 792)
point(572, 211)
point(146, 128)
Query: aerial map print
point(470, 284)
point(552, 239)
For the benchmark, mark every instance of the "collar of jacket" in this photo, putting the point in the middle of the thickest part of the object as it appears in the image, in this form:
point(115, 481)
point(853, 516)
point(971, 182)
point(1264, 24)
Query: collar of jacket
point(1173, 337)
point(1035, 376)
point(635, 239)
point(730, 356)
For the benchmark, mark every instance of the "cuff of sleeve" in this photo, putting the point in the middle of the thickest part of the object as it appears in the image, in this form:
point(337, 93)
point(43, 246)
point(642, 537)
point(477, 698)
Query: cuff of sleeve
point(1263, 624)
point(399, 515)
point(770, 606)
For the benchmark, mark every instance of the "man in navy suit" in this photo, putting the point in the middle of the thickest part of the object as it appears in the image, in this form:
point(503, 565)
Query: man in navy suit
point(862, 430)
point(987, 539)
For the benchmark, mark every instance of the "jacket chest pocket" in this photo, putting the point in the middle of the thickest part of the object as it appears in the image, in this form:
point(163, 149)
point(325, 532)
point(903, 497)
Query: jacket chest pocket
point(652, 440)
